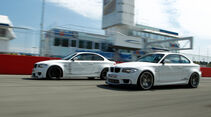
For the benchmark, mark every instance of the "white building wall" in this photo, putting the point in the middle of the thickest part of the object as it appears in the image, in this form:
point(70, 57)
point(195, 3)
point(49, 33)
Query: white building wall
point(4, 45)
point(61, 51)
point(5, 24)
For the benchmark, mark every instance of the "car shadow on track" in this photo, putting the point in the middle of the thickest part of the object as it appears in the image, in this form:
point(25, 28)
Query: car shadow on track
point(135, 88)
point(71, 79)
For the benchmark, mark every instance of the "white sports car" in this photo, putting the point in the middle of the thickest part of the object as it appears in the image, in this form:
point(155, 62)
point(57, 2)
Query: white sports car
point(82, 64)
point(156, 69)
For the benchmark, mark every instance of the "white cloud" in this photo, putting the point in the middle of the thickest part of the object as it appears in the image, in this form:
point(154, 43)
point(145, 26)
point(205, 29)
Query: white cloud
point(191, 16)
point(88, 8)
point(181, 15)
point(195, 17)
point(151, 13)
point(188, 17)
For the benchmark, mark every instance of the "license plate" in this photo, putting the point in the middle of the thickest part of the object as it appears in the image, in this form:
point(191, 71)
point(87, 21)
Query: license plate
point(112, 75)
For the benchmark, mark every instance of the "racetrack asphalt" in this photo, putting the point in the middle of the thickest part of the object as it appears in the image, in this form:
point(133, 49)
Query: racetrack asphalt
point(21, 96)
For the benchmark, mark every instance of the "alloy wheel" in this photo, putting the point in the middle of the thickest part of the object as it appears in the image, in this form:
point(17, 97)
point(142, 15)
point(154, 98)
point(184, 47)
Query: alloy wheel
point(146, 80)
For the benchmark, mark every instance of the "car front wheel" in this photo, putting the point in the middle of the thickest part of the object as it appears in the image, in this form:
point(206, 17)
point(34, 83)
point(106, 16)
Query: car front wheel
point(54, 73)
point(145, 81)
point(194, 80)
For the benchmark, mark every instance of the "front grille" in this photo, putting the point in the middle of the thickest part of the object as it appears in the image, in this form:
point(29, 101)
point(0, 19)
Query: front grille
point(112, 69)
point(113, 81)
point(35, 65)
point(33, 75)
point(115, 69)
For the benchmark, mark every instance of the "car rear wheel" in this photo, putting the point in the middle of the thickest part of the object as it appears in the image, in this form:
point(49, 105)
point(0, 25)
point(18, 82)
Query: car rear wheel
point(54, 73)
point(103, 74)
point(145, 81)
point(194, 80)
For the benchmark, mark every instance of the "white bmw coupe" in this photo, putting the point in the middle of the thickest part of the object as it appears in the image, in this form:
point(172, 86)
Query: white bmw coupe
point(78, 65)
point(156, 69)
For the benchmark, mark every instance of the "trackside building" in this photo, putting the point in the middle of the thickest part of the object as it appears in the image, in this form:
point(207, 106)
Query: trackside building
point(6, 33)
point(123, 39)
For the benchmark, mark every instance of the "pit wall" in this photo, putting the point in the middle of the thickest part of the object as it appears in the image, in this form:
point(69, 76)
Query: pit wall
point(23, 65)
point(19, 65)
point(206, 72)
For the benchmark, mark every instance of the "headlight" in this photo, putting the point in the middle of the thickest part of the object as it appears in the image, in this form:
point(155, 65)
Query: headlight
point(42, 65)
point(129, 70)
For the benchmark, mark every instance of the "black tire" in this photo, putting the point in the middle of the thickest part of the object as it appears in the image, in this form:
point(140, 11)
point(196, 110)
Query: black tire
point(145, 81)
point(54, 72)
point(194, 80)
point(103, 74)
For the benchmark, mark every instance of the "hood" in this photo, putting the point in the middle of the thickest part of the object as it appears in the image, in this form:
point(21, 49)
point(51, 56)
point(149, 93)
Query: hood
point(135, 64)
point(51, 61)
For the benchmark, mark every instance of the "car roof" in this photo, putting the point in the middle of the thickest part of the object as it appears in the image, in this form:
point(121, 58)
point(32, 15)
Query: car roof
point(166, 53)
point(92, 53)
point(87, 53)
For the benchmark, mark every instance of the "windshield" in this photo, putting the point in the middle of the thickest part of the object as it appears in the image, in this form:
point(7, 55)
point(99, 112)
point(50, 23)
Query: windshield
point(68, 57)
point(151, 58)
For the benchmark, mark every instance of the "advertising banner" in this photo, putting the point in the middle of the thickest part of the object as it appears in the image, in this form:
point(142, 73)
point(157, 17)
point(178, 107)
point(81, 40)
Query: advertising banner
point(127, 42)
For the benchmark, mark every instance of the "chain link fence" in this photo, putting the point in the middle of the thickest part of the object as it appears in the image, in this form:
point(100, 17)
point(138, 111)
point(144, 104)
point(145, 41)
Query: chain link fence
point(26, 42)
point(203, 61)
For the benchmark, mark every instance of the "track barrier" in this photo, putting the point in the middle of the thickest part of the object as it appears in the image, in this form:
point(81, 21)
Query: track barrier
point(18, 64)
point(23, 65)
point(206, 71)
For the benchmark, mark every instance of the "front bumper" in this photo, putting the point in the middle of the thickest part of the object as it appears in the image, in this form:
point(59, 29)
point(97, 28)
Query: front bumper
point(122, 78)
point(39, 73)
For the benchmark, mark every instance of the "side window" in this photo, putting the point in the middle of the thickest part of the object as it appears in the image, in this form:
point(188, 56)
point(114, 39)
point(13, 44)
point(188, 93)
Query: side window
point(97, 46)
point(65, 42)
point(57, 42)
point(73, 43)
point(104, 46)
point(172, 59)
point(81, 44)
point(88, 45)
point(3, 32)
point(97, 58)
point(84, 57)
point(184, 60)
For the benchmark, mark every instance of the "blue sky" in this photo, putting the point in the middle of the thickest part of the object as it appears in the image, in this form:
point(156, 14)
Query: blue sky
point(188, 17)
point(27, 13)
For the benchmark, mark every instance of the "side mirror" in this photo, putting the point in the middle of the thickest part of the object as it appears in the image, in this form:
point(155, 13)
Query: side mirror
point(163, 62)
point(74, 59)
point(166, 61)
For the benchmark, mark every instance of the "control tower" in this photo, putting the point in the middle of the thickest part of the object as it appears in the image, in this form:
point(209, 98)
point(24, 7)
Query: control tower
point(118, 16)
